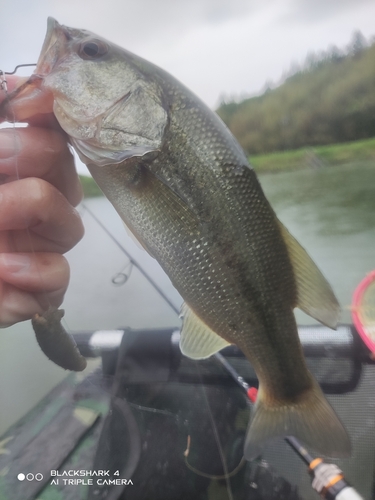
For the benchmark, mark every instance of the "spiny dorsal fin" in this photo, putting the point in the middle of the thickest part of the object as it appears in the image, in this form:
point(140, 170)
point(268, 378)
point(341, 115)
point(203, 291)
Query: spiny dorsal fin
point(198, 341)
point(315, 295)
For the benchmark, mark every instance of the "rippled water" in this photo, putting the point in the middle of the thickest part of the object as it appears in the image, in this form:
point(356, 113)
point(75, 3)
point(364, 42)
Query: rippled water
point(331, 211)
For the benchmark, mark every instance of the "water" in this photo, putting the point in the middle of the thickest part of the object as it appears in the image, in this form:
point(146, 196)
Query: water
point(330, 211)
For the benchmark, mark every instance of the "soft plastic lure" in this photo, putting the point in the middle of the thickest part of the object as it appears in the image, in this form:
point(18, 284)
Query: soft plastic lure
point(56, 343)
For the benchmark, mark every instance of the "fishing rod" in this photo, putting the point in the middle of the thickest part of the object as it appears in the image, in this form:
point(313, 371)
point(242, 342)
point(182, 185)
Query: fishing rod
point(132, 260)
point(328, 480)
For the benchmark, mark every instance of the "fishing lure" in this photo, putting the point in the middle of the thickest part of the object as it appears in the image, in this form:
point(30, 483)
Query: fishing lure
point(56, 343)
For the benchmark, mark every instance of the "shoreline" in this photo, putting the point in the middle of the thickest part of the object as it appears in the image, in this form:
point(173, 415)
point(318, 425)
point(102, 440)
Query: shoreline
point(315, 157)
point(285, 161)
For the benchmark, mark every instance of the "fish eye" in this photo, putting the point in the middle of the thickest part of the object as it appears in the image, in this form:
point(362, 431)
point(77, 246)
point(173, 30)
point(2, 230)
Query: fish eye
point(92, 49)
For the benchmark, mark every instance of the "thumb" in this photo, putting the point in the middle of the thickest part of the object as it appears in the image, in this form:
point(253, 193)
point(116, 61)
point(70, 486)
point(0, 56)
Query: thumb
point(12, 82)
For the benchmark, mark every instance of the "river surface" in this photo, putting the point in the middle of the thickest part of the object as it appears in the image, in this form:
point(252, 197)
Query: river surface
point(331, 211)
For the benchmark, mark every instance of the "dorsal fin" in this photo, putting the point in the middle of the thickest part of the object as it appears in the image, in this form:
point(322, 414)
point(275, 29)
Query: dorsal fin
point(315, 295)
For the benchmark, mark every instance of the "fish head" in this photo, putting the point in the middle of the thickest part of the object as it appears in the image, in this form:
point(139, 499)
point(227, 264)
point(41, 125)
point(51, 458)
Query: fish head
point(105, 98)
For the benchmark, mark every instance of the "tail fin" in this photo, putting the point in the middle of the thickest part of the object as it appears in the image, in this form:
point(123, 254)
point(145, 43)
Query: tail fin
point(311, 420)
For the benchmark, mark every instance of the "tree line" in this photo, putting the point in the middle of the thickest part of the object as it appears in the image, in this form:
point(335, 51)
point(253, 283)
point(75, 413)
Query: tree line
point(329, 99)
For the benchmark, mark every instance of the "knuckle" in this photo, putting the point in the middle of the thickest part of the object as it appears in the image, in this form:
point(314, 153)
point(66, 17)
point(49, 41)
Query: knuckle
point(40, 192)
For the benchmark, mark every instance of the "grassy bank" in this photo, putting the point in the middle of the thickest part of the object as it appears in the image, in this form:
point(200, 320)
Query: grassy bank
point(334, 154)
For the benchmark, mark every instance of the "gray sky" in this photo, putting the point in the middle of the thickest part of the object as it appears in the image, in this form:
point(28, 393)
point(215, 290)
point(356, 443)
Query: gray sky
point(215, 47)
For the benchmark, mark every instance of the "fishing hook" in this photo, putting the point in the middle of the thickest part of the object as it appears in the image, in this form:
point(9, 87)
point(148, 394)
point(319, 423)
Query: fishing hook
point(15, 69)
point(3, 81)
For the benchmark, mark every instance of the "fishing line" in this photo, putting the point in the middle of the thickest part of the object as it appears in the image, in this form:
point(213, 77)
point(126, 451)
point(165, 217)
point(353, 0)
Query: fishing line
point(217, 437)
point(210, 476)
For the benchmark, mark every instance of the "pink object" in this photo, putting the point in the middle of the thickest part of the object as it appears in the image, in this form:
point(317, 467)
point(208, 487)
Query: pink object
point(357, 301)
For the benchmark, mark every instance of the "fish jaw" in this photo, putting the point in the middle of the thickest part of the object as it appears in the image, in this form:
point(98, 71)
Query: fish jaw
point(53, 47)
point(30, 97)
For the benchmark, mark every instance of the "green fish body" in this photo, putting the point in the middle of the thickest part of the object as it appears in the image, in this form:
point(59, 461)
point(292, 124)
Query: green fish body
point(184, 188)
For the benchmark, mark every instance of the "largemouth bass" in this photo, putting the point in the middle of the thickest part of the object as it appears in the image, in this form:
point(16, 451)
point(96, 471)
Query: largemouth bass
point(184, 188)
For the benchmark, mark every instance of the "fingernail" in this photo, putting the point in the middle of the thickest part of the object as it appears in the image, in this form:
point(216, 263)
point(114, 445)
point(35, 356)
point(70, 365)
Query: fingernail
point(16, 263)
point(9, 144)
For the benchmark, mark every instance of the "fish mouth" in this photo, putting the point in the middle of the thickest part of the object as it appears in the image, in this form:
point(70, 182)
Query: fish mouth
point(53, 48)
point(30, 98)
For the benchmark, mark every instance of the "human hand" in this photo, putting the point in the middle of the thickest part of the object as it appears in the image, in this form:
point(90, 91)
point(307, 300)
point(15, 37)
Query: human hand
point(38, 189)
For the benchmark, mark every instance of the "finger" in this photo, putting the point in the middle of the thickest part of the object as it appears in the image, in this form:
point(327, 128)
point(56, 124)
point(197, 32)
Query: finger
point(32, 282)
point(34, 204)
point(40, 272)
point(39, 152)
point(12, 82)
point(27, 99)
point(37, 118)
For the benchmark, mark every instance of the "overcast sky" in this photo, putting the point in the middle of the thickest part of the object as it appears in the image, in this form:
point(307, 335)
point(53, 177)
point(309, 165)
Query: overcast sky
point(215, 47)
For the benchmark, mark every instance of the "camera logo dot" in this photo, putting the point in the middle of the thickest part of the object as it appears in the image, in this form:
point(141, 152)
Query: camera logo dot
point(30, 477)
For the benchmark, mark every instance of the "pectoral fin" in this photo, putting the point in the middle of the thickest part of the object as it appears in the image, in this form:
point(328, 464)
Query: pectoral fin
point(134, 238)
point(198, 341)
point(315, 295)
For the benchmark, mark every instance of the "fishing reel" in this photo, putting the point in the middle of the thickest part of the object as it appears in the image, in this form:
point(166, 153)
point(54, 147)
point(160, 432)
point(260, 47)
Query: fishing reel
point(329, 482)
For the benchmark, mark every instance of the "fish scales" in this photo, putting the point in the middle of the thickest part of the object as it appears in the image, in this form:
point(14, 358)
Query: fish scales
point(152, 210)
point(183, 186)
point(210, 145)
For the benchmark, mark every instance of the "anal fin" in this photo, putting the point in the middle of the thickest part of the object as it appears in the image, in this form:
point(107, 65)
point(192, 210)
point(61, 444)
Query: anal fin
point(198, 341)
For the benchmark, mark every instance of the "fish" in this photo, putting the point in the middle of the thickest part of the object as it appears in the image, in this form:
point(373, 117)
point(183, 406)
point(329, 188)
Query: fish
point(185, 189)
